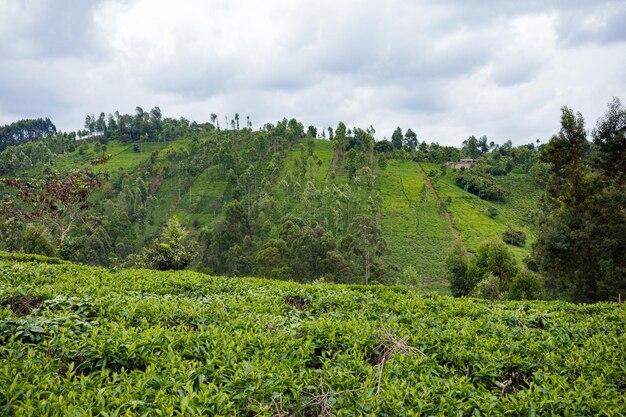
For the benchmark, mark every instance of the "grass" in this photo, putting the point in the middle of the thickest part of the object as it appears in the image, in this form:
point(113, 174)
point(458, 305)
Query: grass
point(417, 234)
point(469, 213)
point(204, 201)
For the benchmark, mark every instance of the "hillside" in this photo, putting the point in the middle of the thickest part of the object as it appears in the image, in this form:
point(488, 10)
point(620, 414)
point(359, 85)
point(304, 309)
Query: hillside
point(469, 212)
point(257, 201)
point(82, 340)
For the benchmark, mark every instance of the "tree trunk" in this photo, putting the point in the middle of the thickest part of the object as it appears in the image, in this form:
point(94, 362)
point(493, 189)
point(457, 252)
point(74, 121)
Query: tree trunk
point(367, 267)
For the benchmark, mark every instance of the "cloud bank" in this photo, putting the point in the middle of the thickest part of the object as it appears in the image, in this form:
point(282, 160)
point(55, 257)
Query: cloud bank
point(445, 69)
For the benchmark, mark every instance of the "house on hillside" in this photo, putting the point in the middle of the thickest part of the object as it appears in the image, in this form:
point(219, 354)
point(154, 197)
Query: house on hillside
point(463, 163)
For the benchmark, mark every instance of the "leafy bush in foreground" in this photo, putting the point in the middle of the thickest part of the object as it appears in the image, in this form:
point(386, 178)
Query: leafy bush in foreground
point(86, 341)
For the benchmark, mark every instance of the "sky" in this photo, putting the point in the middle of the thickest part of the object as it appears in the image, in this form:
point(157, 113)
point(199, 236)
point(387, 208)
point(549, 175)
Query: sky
point(446, 69)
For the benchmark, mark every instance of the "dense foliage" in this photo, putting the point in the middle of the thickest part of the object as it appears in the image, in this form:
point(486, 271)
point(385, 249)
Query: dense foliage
point(581, 244)
point(80, 340)
point(514, 237)
point(277, 201)
point(25, 130)
point(170, 251)
point(492, 273)
point(481, 185)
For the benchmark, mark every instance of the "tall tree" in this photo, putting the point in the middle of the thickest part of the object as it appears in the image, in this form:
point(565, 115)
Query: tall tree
point(581, 242)
point(396, 138)
point(470, 147)
point(367, 242)
point(340, 137)
point(410, 139)
point(59, 202)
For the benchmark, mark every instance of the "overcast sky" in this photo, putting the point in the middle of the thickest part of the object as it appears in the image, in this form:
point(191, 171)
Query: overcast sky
point(446, 69)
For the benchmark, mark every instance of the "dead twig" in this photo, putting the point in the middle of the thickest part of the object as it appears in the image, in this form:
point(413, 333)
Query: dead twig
point(391, 344)
point(380, 374)
point(323, 400)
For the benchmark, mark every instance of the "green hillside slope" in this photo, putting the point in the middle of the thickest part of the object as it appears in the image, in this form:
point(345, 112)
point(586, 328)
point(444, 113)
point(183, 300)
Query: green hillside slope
point(417, 233)
point(288, 190)
point(78, 340)
point(469, 212)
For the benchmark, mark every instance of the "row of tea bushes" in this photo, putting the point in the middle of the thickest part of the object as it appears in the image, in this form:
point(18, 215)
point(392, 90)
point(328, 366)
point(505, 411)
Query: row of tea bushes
point(82, 341)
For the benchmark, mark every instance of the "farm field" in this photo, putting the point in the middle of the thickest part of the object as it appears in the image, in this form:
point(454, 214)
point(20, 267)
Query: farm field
point(417, 234)
point(469, 213)
point(77, 340)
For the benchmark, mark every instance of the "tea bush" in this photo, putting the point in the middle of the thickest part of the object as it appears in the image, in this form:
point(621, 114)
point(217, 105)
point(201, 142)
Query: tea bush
point(78, 340)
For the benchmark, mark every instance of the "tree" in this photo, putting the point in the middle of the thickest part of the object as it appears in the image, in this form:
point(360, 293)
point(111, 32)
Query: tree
point(26, 130)
point(367, 242)
point(457, 262)
point(493, 263)
point(59, 201)
point(410, 139)
point(171, 251)
point(36, 241)
point(383, 146)
point(482, 145)
point(581, 241)
point(493, 257)
point(214, 120)
point(470, 147)
point(340, 137)
point(609, 136)
point(396, 138)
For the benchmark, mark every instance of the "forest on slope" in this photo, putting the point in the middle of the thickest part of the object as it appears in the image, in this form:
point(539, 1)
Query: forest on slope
point(282, 201)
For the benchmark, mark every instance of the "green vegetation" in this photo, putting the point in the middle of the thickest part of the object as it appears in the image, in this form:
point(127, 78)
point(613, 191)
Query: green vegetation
point(83, 340)
point(474, 218)
point(483, 186)
point(285, 203)
point(417, 233)
point(514, 237)
point(581, 241)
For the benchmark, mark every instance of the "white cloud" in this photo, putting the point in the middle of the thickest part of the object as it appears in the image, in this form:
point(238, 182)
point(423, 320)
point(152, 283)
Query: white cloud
point(447, 70)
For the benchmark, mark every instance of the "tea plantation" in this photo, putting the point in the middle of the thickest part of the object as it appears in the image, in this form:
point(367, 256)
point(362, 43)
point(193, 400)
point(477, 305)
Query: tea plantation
point(83, 341)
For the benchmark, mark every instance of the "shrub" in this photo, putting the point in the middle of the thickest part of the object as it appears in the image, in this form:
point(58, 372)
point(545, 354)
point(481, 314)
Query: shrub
point(457, 262)
point(35, 241)
point(171, 251)
point(531, 263)
point(482, 185)
point(491, 212)
point(69, 249)
point(514, 237)
point(527, 285)
point(489, 288)
point(28, 257)
point(411, 277)
point(493, 257)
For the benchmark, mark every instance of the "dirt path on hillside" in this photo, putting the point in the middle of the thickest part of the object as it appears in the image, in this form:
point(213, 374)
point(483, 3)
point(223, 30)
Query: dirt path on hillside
point(445, 212)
